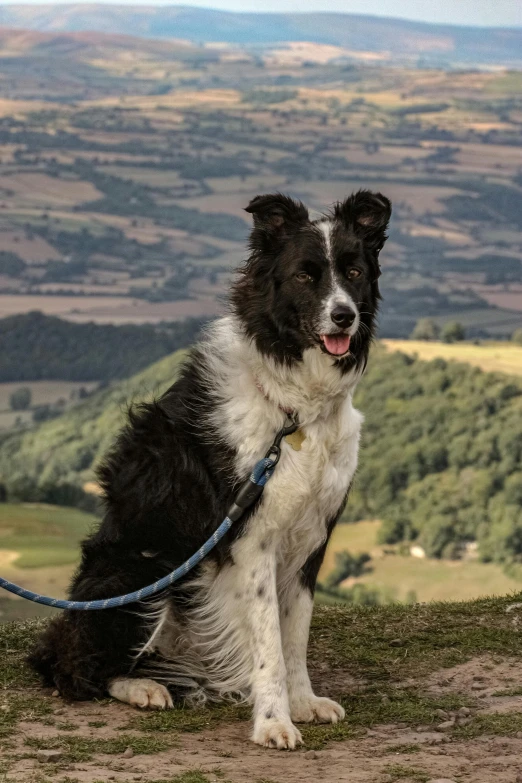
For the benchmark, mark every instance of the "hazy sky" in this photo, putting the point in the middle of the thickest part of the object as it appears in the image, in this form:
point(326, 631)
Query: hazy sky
point(504, 13)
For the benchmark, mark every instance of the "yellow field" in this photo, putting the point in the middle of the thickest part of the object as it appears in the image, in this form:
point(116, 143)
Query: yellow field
point(489, 356)
point(430, 580)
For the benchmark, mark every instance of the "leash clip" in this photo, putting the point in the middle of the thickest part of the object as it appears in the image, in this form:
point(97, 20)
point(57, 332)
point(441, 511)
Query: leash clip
point(274, 452)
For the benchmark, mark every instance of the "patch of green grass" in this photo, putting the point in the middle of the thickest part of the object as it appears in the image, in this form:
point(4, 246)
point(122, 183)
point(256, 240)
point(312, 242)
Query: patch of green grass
point(503, 725)
point(80, 749)
point(367, 708)
point(399, 772)
point(97, 724)
point(16, 639)
point(189, 720)
point(433, 636)
point(517, 691)
point(24, 707)
point(67, 726)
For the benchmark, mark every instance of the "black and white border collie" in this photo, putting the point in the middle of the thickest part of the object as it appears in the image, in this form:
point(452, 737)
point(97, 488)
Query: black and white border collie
point(296, 340)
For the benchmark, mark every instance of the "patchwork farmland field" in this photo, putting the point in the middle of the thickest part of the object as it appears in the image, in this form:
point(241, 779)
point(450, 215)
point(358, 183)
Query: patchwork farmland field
point(127, 164)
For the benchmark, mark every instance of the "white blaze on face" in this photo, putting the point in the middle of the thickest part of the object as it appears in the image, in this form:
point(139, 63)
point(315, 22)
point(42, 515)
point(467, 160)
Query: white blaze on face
point(336, 297)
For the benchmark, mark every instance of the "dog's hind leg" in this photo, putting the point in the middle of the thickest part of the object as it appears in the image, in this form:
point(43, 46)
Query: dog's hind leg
point(141, 692)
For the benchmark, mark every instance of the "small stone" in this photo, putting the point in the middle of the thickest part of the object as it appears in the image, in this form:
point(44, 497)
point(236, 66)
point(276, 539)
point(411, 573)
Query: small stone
point(55, 694)
point(442, 714)
point(128, 753)
point(518, 735)
point(310, 755)
point(478, 686)
point(385, 699)
point(61, 711)
point(396, 643)
point(446, 726)
point(435, 741)
point(422, 729)
point(5, 708)
point(464, 712)
point(464, 721)
point(48, 756)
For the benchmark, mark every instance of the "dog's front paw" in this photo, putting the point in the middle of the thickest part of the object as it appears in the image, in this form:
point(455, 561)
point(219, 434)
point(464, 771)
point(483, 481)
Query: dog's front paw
point(314, 708)
point(276, 733)
point(142, 693)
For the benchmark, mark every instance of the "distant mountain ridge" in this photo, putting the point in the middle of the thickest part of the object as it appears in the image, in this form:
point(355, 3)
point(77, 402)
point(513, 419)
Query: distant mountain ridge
point(400, 38)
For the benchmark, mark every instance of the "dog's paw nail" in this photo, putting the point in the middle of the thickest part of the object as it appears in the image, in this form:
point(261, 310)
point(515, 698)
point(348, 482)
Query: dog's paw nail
point(280, 734)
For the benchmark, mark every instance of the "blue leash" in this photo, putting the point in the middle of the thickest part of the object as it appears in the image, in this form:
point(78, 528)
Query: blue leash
point(251, 491)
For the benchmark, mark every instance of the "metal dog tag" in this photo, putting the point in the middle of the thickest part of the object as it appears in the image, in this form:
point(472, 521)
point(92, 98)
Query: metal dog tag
point(295, 440)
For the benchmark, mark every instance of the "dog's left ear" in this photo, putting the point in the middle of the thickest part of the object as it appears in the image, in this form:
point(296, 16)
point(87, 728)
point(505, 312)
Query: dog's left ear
point(275, 212)
point(368, 214)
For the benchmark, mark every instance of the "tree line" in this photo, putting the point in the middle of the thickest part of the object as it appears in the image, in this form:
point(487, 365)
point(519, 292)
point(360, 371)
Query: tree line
point(34, 346)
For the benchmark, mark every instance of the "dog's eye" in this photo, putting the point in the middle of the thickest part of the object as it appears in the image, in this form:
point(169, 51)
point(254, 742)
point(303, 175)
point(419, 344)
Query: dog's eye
point(353, 274)
point(304, 277)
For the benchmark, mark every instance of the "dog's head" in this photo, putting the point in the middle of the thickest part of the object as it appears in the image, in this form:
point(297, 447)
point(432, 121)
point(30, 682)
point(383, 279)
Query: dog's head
point(314, 283)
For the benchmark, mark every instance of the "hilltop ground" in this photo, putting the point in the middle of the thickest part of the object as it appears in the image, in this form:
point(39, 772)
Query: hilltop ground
point(403, 674)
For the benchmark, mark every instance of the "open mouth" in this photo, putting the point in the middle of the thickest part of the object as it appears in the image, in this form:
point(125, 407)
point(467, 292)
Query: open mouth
point(336, 344)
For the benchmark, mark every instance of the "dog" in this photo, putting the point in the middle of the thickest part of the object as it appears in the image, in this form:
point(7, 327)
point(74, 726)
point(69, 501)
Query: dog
point(295, 342)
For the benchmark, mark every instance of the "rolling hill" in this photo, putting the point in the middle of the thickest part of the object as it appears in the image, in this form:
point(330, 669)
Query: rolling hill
point(65, 449)
point(401, 39)
point(441, 462)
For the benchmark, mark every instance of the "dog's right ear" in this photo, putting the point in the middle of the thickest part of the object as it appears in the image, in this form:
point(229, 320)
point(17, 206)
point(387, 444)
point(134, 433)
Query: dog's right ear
point(274, 212)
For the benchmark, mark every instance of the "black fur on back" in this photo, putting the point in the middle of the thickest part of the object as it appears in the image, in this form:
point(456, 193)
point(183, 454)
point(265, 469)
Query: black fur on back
point(166, 492)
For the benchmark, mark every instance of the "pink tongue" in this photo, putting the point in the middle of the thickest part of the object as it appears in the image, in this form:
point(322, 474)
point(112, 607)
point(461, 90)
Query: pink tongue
point(336, 344)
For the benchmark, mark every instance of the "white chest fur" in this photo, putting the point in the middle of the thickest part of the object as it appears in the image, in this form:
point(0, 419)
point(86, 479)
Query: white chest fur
point(308, 486)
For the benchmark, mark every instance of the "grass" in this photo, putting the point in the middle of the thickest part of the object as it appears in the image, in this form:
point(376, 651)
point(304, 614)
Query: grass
point(502, 357)
point(429, 579)
point(402, 749)
point(400, 772)
point(43, 535)
point(81, 749)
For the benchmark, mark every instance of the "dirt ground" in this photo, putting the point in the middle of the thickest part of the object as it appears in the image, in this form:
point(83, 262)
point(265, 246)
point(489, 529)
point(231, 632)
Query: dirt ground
point(432, 692)
point(383, 754)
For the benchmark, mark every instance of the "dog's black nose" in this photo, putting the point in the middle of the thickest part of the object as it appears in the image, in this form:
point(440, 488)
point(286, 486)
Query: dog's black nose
point(343, 316)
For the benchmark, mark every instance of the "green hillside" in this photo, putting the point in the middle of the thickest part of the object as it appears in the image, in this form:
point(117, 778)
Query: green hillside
point(67, 449)
point(40, 535)
point(441, 459)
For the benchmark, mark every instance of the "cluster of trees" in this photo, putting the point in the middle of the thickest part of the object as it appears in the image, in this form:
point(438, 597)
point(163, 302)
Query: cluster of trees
point(20, 399)
point(34, 346)
point(441, 461)
point(428, 329)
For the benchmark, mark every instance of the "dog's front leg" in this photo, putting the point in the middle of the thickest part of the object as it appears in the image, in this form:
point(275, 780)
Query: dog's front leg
point(305, 706)
point(257, 572)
